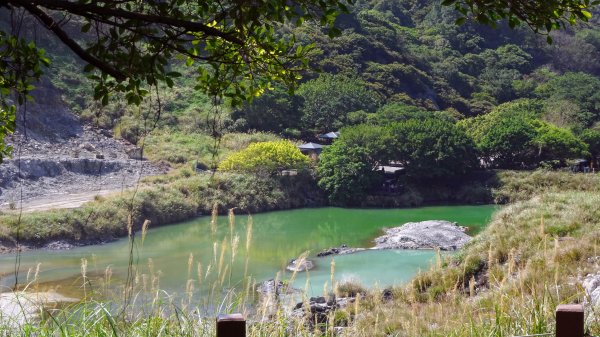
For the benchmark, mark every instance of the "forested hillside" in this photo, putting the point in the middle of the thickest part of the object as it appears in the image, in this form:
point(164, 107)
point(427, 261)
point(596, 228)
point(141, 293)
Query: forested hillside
point(412, 52)
point(402, 75)
point(395, 51)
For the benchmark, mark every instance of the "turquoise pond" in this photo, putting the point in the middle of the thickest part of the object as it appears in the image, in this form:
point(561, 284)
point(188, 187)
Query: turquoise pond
point(276, 238)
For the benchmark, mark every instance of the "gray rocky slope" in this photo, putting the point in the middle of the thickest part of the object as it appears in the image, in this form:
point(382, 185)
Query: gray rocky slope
point(56, 155)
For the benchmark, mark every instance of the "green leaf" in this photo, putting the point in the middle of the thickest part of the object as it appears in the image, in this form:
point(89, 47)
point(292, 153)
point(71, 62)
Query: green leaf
point(587, 14)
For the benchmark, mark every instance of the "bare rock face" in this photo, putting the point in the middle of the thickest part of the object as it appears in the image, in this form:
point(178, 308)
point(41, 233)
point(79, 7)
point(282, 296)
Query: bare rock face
point(58, 156)
point(429, 234)
point(591, 284)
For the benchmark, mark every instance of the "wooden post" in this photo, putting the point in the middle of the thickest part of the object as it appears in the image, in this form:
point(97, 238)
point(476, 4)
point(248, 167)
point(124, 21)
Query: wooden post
point(233, 325)
point(569, 320)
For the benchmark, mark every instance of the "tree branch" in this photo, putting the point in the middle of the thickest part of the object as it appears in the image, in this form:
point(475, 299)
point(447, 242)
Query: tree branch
point(74, 46)
point(87, 10)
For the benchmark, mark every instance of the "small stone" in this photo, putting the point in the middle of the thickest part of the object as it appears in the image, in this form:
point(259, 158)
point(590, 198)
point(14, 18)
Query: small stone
point(298, 265)
point(87, 147)
point(319, 299)
point(387, 295)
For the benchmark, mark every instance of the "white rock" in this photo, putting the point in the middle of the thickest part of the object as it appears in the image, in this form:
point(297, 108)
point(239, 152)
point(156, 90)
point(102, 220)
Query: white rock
point(424, 235)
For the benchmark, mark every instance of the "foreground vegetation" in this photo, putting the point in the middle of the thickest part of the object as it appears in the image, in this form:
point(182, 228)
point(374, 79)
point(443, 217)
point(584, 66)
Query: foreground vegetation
point(508, 281)
point(401, 77)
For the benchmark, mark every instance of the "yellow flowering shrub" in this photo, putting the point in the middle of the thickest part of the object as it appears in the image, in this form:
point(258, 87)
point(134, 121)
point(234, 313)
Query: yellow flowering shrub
point(266, 157)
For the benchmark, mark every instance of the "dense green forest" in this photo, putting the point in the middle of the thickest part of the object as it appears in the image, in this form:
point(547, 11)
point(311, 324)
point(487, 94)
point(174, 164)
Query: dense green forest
point(404, 83)
point(412, 52)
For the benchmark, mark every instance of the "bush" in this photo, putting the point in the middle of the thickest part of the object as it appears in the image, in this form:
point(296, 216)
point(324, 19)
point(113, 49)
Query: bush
point(513, 136)
point(351, 289)
point(266, 158)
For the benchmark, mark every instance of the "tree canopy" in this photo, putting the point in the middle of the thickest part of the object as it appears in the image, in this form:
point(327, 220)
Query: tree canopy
point(426, 148)
point(347, 168)
point(328, 99)
point(239, 49)
point(544, 15)
point(513, 136)
point(235, 47)
point(432, 148)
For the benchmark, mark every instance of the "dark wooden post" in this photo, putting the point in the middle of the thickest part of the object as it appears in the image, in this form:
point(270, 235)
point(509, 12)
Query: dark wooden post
point(233, 325)
point(569, 320)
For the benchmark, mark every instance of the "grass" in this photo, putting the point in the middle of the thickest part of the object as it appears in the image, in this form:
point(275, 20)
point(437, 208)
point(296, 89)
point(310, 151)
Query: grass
point(507, 281)
point(178, 148)
point(166, 199)
point(523, 185)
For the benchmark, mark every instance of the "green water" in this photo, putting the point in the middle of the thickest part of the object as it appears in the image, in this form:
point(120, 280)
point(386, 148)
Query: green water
point(277, 237)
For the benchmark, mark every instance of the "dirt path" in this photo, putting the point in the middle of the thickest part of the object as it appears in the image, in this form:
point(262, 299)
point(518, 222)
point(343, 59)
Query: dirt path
point(60, 162)
point(55, 201)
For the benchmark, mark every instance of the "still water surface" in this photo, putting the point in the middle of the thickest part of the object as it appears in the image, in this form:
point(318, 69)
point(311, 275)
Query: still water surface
point(276, 238)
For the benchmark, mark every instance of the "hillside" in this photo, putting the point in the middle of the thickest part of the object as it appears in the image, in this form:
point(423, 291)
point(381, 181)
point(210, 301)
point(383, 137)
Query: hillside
point(59, 161)
point(428, 112)
point(394, 61)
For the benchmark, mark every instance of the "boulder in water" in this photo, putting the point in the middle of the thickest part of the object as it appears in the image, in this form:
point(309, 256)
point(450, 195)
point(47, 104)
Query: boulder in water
point(430, 234)
point(271, 287)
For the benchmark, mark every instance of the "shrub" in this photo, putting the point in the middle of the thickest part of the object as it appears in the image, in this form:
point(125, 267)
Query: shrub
point(351, 289)
point(266, 157)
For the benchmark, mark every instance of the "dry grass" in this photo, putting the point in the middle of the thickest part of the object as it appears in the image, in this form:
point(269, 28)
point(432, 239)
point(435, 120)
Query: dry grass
point(507, 281)
point(522, 185)
point(179, 196)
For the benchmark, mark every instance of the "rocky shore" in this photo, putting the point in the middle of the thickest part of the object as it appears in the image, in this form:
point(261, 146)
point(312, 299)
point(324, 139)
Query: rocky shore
point(341, 250)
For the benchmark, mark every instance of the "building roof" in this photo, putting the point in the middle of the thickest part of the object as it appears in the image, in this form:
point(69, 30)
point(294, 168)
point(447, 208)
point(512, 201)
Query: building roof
point(390, 169)
point(330, 135)
point(310, 146)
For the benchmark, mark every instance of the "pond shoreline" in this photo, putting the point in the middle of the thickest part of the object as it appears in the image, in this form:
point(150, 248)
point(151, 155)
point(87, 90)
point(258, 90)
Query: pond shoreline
point(12, 246)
